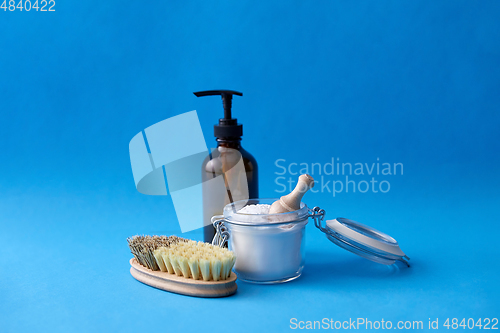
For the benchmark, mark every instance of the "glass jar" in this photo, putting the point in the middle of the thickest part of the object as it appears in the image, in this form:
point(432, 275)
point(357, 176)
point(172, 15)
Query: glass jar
point(269, 248)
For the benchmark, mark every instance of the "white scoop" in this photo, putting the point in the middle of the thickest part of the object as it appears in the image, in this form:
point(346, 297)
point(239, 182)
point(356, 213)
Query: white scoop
point(291, 202)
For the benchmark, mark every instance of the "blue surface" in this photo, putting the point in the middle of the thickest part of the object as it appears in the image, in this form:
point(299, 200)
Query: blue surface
point(407, 82)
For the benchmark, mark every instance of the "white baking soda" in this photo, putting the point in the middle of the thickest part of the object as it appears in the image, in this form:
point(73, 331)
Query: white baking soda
point(267, 253)
point(261, 209)
point(255, 209)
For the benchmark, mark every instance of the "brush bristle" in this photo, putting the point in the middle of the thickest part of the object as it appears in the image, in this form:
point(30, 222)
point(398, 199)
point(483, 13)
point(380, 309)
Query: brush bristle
point(142, 247)
point(183, 257)
point(196, 260)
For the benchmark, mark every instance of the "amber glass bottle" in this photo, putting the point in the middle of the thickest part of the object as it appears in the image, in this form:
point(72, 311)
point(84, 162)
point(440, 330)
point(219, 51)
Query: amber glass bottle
point(229, 173)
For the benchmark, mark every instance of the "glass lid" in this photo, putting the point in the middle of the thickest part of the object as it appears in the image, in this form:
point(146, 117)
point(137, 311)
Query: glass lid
point(360, 239)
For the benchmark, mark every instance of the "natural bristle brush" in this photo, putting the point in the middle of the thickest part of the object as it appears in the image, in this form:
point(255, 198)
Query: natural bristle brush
point(183, 266)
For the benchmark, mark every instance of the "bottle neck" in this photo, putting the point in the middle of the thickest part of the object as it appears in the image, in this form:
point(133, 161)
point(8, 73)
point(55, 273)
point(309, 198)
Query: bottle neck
point(234, 143)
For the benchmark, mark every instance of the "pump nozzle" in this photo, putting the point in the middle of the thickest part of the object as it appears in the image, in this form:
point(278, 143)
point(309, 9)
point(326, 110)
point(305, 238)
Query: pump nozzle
point(228, 126)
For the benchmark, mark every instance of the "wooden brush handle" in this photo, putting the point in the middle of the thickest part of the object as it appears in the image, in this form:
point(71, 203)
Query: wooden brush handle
point(181, 285)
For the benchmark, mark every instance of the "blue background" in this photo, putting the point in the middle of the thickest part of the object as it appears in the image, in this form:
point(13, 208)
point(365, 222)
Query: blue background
point(412, 82)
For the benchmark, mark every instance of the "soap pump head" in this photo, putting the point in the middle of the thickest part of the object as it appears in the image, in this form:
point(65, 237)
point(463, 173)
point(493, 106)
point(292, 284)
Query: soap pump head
point(228, 127)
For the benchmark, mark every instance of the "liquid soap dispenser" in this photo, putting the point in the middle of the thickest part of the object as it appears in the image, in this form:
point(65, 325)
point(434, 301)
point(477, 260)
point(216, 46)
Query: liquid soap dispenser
point(237, 167)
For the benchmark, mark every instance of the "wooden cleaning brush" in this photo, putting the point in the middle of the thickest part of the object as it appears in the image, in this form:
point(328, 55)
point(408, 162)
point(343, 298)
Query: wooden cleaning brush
point(183, 266)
